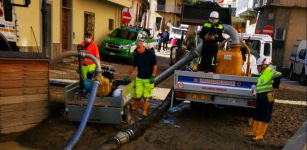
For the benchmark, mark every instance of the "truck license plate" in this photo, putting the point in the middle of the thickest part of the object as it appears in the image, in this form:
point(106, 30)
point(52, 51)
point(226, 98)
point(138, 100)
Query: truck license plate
point(111, 53)
point(198, 96)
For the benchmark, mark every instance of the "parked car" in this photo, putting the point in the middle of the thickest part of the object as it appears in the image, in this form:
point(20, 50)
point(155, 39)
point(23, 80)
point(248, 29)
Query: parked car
point(298, 63)
point(122, 42)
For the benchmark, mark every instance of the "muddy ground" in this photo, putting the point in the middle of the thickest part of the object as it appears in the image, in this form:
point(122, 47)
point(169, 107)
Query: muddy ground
point(180, 128)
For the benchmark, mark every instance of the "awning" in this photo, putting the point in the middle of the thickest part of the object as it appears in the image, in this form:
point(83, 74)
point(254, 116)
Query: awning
point(124, 3)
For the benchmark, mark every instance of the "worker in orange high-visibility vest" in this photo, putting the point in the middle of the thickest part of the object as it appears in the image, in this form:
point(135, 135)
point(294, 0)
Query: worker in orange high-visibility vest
point(88, 66)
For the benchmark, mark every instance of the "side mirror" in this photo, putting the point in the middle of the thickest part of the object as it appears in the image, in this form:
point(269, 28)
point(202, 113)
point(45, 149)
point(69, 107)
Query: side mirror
point(80, 47)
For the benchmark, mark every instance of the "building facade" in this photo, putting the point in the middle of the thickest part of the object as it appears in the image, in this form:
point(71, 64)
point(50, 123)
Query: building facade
point(164, 14)
point(67, 22)
point(288, 19)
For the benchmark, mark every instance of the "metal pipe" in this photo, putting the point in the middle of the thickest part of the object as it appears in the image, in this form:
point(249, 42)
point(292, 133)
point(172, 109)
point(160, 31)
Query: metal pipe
point(183, 61)
point(82, 54)
point(249, 59)
point(232, 32)
point(85, 117)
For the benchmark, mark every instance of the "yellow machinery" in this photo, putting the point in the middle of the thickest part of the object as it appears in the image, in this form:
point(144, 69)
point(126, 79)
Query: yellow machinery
point(230, 62)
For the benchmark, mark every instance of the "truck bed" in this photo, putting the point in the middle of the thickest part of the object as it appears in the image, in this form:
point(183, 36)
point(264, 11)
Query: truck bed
point(215, 88)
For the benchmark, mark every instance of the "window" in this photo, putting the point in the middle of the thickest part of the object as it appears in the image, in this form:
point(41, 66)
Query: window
point(158, 22)
point(254, 45)
point(1, 11)
point(124, 34)
point(8, 12)
point(89, 23)
point(302, 54)
point(267, 49)
point(111, 24)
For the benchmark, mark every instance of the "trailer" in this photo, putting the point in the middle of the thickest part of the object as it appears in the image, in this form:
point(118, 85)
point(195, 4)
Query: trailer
point(214, 89)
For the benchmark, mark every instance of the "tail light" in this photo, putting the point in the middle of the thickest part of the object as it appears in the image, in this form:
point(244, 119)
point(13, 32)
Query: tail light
point(180, 95)
point(252, 102)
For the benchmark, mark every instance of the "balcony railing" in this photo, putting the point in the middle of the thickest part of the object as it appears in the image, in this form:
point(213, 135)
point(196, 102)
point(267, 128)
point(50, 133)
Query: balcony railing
point(169, 9)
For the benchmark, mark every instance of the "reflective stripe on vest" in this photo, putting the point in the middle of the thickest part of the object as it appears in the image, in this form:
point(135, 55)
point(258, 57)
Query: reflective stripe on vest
point(265, 81)
point(219, 26)
point(208, 25)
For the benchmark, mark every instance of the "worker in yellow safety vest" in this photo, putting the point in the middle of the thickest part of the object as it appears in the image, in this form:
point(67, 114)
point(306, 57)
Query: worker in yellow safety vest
point(266, 86)
point(211, 34)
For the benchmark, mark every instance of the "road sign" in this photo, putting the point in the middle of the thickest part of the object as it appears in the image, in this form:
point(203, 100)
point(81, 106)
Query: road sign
point(126, 17)
point(268, 30)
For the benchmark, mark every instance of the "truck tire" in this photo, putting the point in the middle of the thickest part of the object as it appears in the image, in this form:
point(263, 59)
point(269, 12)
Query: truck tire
point(291, 74)
point(127, 114)
point(303, 78)
point(4, 45)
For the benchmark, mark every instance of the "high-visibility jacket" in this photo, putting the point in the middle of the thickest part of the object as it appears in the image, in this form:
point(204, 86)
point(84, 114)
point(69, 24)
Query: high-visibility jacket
point(215, 30)
point(266, 80)
point(92, 49)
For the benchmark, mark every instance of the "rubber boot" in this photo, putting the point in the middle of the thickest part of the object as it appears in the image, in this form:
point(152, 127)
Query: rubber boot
point(136, 104)
point(261, 131)
point(255, 127)
point(145, 108)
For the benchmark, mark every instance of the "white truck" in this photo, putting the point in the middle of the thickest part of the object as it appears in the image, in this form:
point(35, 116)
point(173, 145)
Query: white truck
point(221, 89)
point(298, 63)
point(8, 31)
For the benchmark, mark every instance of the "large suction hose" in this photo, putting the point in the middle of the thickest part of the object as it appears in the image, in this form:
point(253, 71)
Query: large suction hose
point(91, 100)
point(85, 117)
point(138, 128)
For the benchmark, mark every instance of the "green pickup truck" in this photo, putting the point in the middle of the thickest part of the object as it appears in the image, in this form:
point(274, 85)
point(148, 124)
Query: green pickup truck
point(122, 42)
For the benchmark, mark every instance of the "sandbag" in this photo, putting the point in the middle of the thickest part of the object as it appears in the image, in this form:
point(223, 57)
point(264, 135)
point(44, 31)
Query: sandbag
point(104, 88)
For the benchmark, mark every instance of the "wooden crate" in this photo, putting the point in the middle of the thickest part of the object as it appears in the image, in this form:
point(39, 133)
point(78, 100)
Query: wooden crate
point(24, 88)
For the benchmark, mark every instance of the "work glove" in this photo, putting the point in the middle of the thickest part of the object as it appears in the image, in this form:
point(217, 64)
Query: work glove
point(195, 67)
point(271, 97)
point(126, 78)
point(152, 79)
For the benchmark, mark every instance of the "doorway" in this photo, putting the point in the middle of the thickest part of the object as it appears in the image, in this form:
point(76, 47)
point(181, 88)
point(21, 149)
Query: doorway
point(66, 23)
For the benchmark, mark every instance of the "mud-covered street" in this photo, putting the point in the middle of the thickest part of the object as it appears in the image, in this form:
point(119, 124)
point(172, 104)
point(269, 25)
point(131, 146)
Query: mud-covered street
point(180, 128)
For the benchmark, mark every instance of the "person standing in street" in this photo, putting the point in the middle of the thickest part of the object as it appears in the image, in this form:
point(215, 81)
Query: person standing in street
point(211, 34)
point(88, 66)
point(165, 39)
point(146, 64)
point(266, 87)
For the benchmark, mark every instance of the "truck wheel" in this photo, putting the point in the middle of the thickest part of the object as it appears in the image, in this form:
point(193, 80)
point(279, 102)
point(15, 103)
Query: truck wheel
point(173, 55)
point(4, 45)
point(303, 78)
point(291, 74)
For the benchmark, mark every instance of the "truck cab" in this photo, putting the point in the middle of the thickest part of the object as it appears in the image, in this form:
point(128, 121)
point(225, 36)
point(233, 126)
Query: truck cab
point(298, 62)
point(260, 45)
point(122, 42)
